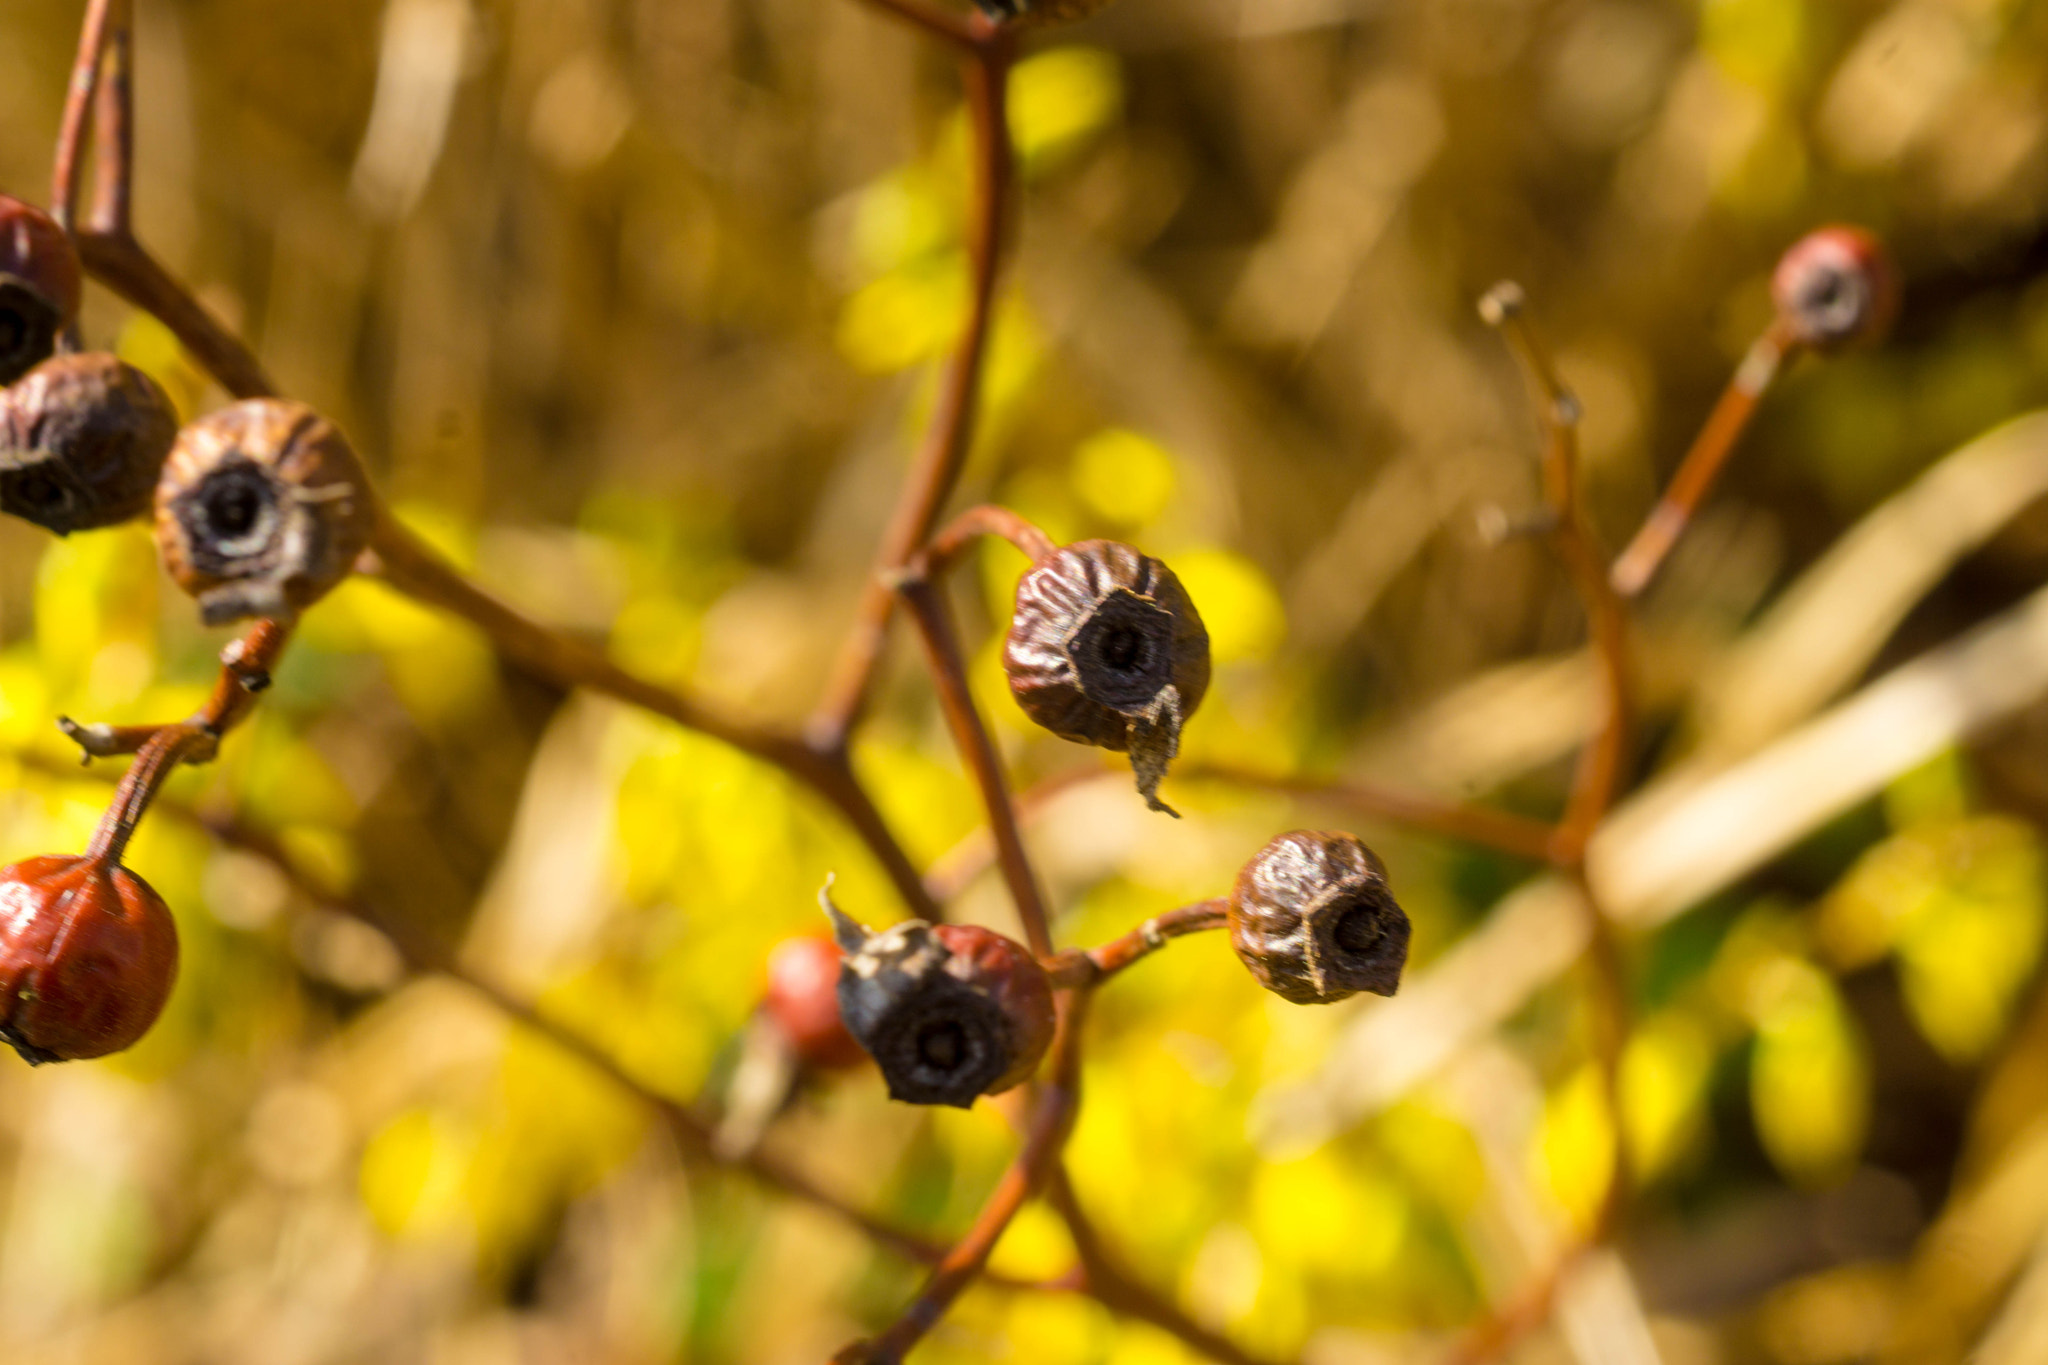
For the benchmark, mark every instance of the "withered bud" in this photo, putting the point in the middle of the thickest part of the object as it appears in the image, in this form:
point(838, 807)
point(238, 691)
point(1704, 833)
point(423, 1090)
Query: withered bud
point(950, 1012)
point(1106, 648)
point(40, 279)
point(88, 953)
point(82, 441)
point(1836, 286)
point(262, 508)
point(1312, 917)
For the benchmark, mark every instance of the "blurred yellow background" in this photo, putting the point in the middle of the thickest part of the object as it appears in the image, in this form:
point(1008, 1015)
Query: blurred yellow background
point(635, 306)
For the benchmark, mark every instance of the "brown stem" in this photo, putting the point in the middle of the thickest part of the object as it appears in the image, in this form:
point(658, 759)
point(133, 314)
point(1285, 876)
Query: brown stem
point(1597, 774)
point(1091, 968)
point(985, 519)
point(957, 30)
point(122, 264)
point(986, 66)
point(955, 869)
point(1105, 1280)
point(101, 18)
point(1644, 555)
point(978, 750)
point(245, 671)
point(114, 126)
point(410, 565)
point(1052, 1117)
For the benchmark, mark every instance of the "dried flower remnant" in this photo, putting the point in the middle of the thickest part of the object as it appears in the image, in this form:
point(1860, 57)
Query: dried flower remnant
point(263, 507)
point(83, 440)
point(950, 1012)
point(1835, 287)
point(1312, 917)
point(40, 281)
point(88, 953)
point(1106, 648)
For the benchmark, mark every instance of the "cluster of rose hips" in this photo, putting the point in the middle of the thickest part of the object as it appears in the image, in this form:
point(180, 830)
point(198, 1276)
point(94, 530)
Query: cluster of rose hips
point(259, 508)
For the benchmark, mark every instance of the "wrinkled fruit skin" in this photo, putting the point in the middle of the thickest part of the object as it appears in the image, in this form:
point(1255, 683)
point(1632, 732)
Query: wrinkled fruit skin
point(950, 1012)
point(40, 280)
point(1836, 286)
point(262, 508)
point(83, 440)
point(88, 954)
point(803, 1000)
point(1312, 917)
point(1106, 648)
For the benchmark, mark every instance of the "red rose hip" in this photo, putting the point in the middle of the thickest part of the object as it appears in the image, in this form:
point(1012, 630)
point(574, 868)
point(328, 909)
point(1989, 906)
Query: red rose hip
point(88, 953)
point(803, 1001)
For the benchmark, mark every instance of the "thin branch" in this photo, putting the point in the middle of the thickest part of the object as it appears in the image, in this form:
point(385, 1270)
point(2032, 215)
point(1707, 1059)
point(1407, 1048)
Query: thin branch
point(409, 565)
point(986, 69)
point(1109, 1283)
point(1052, 1117)
point(985, 519)
point(1597, 774)
point(955, 869)
point(1644, 555)
point(978, 751)
point(125, 266)
point(101, 17)
point(1096, 965)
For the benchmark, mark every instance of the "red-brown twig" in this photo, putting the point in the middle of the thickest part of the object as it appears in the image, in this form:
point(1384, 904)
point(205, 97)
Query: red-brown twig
point(1598, 772)
point(1092, 967)
point(1109, 1283)
point(985, 519)
point(978, 751)
point(1644, 555)
point(987, 49)
point(408, 564)
point(1054, 1106)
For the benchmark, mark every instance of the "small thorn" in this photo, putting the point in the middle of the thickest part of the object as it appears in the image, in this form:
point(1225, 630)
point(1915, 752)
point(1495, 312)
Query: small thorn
point(852, 936)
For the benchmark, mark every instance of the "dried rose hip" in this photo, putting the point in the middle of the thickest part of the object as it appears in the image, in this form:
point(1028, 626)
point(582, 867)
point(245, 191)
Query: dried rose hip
point(39, 286)
point(1312, 917)
point(803, 1001)
point(87, 957)
point(261, 510)
point(950, 1012)
point(82, 441)
point(1836, 286)
point(1106, 648)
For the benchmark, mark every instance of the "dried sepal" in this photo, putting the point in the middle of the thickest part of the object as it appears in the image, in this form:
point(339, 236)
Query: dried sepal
point(1835, 287)
point(1312, 917)
point(263, 507)
point(950, 1012)
point(88, 954)
point(1105, 647)
point(40, 281)
point(82, 442)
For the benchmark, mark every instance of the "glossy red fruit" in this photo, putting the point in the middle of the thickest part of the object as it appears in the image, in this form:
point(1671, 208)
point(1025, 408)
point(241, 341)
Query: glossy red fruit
point(803, 1001)
point(950, 1012)
point(88, 953)
point(1835, 287)
point(40, 281)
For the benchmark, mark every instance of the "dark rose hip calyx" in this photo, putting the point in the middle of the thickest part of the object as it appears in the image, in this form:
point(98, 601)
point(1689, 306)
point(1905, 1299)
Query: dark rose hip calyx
point(40, 280)
point(83, 440)
point(1106, 648)
point(950, 1012)
point(88, 953)
point(1312, 917)
point(262, 508)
